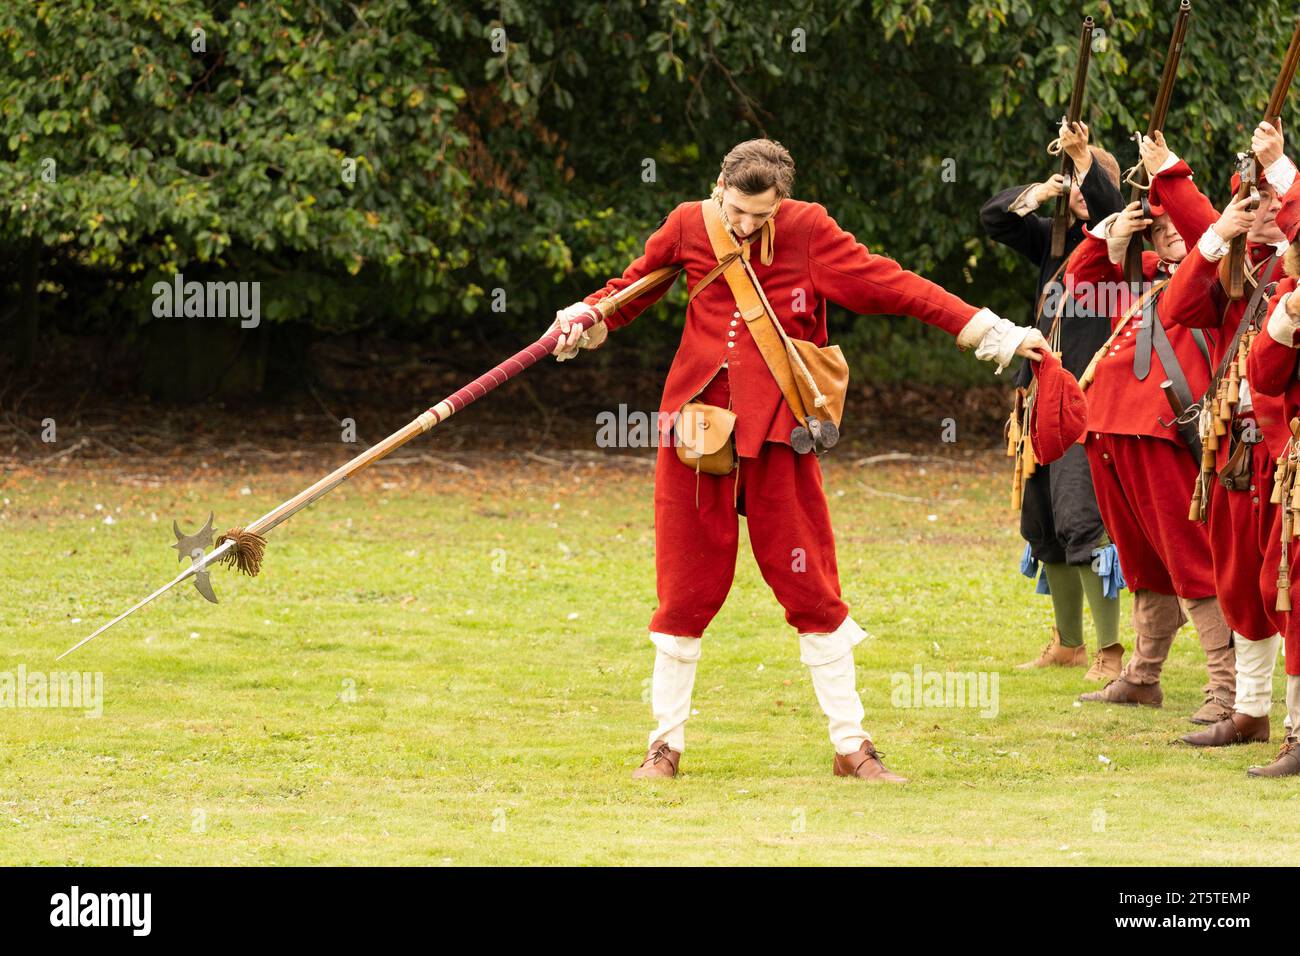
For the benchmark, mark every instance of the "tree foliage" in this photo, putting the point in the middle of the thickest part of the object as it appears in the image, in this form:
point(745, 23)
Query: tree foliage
point(510, 146)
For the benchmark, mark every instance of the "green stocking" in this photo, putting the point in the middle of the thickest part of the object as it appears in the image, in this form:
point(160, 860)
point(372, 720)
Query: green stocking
point(1067, 601)
point(1105, 611)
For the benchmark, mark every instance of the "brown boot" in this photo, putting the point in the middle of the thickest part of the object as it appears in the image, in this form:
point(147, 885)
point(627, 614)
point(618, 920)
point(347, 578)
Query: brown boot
point(1056, 654)
point(1122, 691)
point(1107, 663)
point(1237, 729)
point(866, 765)
point(1220, 655)
point(661, 761)
point(1213, 710)
point(1285, 764)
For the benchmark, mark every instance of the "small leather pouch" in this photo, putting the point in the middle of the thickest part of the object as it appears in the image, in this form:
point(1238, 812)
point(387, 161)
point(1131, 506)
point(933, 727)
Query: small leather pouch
point(704, 438)
point(1236, 473)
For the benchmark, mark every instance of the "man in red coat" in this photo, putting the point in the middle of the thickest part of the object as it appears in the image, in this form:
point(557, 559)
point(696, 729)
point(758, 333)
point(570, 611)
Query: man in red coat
point(1240, 517)
point(1271, 368)
point(1142, 470)
point(803, 261)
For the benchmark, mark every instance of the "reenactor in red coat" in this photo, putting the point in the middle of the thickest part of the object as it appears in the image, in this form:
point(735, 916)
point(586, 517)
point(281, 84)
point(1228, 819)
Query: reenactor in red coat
point(1236, 494)
point(803, 260)
point(1059, 518)
point(1142, 469)
point(1275, 386)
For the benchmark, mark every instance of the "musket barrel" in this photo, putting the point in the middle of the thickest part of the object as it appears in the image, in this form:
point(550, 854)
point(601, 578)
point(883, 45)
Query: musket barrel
point(1061, 219)
point(1159, 113)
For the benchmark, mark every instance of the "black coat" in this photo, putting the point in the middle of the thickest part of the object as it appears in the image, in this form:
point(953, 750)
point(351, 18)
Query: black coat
point(1082, 333)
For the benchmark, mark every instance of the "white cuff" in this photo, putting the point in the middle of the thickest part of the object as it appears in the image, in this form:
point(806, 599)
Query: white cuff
point(816, 649)
point(1025, 203)
point(1170, 162)
point(1102, 229)
point(993, 338)
point(1281, 174)
point(1115, 248)
point(1213, 246)
point(1281, 327)
point(973, 331)
point(685, 649)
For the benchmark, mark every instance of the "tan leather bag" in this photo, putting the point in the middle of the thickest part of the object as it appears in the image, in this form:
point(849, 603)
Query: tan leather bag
point(704, 438)
point(830, 371)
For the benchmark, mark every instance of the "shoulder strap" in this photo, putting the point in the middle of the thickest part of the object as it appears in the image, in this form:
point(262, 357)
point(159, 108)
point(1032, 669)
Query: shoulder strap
point(1247, 317)
point(1086, 378)
point(751, 304)
point(1188, 430)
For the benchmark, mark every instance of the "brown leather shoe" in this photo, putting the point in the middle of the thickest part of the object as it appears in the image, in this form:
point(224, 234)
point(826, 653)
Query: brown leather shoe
point(1213, 710)
point(1285, 764)
point(661, 761)
point(1236, 729)
point(865, 763)
point(1122, 691)
point(1056, 654)
point(1107, 663)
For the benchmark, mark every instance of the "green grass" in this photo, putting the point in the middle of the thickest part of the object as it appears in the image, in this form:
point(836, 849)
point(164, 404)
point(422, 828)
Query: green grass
point(493, 627)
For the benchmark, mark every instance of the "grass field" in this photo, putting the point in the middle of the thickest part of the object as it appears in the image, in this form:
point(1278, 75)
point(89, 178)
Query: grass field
point(451, 668)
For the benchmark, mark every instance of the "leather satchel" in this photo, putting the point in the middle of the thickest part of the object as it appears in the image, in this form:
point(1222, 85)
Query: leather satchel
point(705, 438)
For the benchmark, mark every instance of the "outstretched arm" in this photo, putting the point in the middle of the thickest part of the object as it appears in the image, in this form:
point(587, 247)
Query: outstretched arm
point(663, 248)
point(843, 271)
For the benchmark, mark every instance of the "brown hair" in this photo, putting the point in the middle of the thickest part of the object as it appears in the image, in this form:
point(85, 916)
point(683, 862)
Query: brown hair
point(1107, 163)
point(757, 165)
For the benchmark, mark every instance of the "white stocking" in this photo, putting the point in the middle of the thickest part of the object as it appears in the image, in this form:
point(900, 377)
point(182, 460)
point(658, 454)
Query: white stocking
point(670, 692)
point(830, 662)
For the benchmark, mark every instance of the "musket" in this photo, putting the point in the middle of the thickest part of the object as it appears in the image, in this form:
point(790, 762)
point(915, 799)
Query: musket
point(1138, 177)
point(244, 547)
point(1232, 271)
point(1061, 220)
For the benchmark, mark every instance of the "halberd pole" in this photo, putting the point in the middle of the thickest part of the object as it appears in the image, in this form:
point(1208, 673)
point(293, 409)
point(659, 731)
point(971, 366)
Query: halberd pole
point(243, 547)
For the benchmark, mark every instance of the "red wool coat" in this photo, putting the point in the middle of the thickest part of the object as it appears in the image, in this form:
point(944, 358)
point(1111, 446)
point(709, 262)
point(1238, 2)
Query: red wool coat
point(1118, 403)
point(1142, 473)
point(1271, 370)
point(814, 262)
point(1240, 522)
